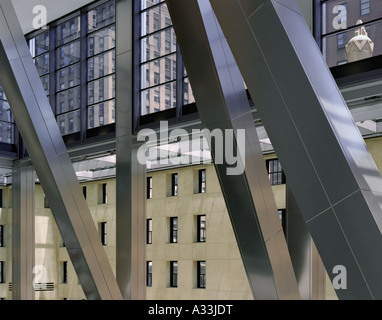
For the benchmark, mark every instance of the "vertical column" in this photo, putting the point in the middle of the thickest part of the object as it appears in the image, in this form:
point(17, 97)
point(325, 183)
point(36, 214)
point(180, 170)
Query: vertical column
point(22, 231)
point(130, 181)
point(307, 264)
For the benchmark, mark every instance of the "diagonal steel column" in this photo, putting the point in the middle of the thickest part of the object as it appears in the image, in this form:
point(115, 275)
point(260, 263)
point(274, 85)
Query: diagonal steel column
point(330, 171)
point(48, 153)
point(223, 104)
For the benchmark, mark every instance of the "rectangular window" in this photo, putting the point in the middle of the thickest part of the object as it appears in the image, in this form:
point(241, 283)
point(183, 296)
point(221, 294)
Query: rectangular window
point(365, 7)
point(173, 230)
point(2, 275)
point(202, 181)
point(46, 203)
point(149, 274)
point(102, 193)
point(64, 272)
point(174, 184)
point(103, 232)
point(174, 274)
point(282, 216)
point(201, 271)
point(84, 191)
point(275, 172)
point(149, 187)
point(201, 220)
point(149, 231)
point(1, 236)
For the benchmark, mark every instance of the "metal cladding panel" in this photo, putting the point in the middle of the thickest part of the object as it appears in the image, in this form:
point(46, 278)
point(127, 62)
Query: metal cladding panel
point(314, 135)
point(222, 104)
point(51, 161)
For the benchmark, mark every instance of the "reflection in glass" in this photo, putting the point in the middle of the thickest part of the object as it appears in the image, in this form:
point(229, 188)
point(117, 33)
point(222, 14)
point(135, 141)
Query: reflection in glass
point(39, 44)
point(69, 122)
point(101, 65)
point(158, 98)
point(68, 31)
point(148, 3)
point(101, 114)
point(188, 96)
point(68, 77)
point(347, 38)
point(101, 16)
point(158, 44)
point(102, 40)
point(155, 19)
point(158, 71)
point(7, 132)
point(102, 89)
point(68, 54)
point(42, 64)
point(68, 100)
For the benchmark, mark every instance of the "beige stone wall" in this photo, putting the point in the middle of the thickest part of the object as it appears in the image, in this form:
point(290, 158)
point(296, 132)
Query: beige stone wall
point(226, 278)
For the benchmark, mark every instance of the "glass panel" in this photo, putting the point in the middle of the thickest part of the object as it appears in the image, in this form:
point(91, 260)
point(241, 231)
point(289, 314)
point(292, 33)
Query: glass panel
point(39, 44)
point(68, 54)
point(339, 14)
point(101, 16)
point(68, 100)
point(68, 77)
point(148, 3)
point(68, 31)
point(7, 132)
point(158, 44)
point(101, 41)
point(155, 19)
point(45, 83)
point(69, 122)
point(42, 64)
point(188, 96)
point(353, 45)
point(101, 114)
point(158, 98)
point(101, 65)
point(5, 111)
point(158, 71)
point(102, 89)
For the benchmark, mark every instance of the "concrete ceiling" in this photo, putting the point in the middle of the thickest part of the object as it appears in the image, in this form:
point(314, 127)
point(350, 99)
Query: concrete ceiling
point(54, 8)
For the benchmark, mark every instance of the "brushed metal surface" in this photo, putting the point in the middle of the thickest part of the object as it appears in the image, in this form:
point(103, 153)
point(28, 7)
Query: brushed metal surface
point(328, 166)
point(223, 104)
point(23, 227)
point(50, 159)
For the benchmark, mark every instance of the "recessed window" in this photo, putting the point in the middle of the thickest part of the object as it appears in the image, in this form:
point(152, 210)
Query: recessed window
point(84, 190)
point(275, 172)
point(103, 233)
point(149, 187)
point(201, 272)
point(1, 236)
point(202, 180)
point(201, 228)
point(173, 230)
point(102, 193)
point(149, 273)
point(46, 203)
point(174, 274)
point(149, 231)
point(64, 272)
point(282, 216)
point(2, 274)
point(174, 184)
